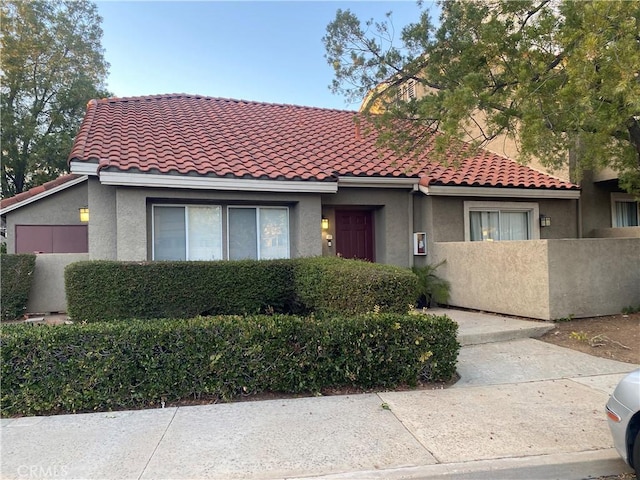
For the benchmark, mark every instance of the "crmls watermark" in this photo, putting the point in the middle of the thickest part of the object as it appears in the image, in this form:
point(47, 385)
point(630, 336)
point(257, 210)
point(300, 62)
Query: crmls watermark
point(40, 471)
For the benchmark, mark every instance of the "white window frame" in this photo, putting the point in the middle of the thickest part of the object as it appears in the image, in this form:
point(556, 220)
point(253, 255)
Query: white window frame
point(224, 232)
point(411, 89)
point(531, 207)
point(257, 208)
point(622, 197)
point(186, 225)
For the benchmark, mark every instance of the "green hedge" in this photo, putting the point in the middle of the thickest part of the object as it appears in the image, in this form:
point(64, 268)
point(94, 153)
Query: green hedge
point(15, 283)
point(107, 290)
point(329, 285)
point(137, 363)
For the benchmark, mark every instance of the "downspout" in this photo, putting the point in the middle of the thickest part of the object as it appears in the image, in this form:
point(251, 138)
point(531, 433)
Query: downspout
point(579, 211)
point(414, 189)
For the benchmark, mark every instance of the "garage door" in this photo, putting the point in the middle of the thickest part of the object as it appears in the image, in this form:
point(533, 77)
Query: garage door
point(52, 239)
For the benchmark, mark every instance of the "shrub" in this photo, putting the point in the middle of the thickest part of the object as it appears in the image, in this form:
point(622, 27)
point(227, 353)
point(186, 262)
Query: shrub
point(114, 365)
point(432, 289)
point(330, 286)
point(17, 274)
point(107, 290)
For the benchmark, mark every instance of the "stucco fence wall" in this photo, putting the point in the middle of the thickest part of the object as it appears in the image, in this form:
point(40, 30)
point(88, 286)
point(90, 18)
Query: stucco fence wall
point(47, 290)
point(544, 279)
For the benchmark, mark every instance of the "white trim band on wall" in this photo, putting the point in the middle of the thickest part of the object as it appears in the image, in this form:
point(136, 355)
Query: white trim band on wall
point(84, 168)
point(455, 191)
point(377, 182)
point(210, 183)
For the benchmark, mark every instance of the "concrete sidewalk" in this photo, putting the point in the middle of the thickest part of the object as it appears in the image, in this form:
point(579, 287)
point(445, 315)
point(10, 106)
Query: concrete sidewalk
point(522, 409)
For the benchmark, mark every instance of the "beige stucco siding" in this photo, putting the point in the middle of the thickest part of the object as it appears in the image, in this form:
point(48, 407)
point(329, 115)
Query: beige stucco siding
point(545, 279)
point(596, 206)
point(61, 208)
point(504, 277)
point(446, 216)
point(594, 276)
point(47, 292)
point(102, 221)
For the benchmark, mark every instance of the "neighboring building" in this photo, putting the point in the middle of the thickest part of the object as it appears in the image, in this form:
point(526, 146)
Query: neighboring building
point(604, 205)
point(180, 177)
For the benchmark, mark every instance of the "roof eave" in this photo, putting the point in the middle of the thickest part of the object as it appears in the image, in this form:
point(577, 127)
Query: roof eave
point(506, 192)
point(377, 182)
point(42, 195)
point(83, 168)
point(216, 183)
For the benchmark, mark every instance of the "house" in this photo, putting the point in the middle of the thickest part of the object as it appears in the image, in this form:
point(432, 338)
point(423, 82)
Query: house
point(183, 177)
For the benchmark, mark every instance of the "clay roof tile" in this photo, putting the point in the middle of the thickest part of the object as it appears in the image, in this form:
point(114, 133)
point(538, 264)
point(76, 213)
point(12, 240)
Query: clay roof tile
point(183, 133)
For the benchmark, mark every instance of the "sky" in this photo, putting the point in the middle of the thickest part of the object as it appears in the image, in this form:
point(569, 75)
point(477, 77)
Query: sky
point(267, 51)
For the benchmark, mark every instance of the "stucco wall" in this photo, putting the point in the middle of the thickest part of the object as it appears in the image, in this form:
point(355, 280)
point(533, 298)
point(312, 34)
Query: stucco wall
point(447, 216)
point(596, 206)
point(47, 292)
point(622, 232)
point(502, 277)
point(127, 228)
point(102, 221)
point(598, 276)
point(61, 208)
point(545, 279)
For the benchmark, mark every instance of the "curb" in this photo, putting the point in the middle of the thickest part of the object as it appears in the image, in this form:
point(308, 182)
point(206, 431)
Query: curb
point(568, 466)
point(467, 339)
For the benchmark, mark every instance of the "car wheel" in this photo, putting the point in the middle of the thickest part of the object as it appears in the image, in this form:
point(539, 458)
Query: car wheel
point(636, 455)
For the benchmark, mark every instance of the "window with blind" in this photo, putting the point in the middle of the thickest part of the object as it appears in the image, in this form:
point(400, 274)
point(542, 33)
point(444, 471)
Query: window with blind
point(625, 211)
point(497, 221)
point(195, 232)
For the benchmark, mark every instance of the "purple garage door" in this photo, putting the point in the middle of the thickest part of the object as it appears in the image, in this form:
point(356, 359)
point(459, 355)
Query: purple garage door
point(52, 239)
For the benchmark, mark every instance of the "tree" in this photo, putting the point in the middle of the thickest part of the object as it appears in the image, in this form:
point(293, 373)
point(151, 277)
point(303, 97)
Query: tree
point(555, 76)
point(52, 65)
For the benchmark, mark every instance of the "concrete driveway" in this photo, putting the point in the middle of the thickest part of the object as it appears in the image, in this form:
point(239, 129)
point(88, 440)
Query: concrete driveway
point(522, 408)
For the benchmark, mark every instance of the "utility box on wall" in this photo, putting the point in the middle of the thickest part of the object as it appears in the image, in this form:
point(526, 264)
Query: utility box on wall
point(420, 243)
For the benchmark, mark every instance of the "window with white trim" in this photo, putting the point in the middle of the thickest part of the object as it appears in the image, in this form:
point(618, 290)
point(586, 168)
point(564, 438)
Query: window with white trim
point(258, 232)
point(195, 232)
point(625, 210)
point(187, 232)
point(411, 89)
point(499, 221)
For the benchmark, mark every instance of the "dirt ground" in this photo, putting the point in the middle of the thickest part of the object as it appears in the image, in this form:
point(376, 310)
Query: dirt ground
point(616, 337)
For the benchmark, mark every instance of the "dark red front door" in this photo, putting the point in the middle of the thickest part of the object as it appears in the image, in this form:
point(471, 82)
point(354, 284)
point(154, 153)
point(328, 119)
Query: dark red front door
point(354, 234)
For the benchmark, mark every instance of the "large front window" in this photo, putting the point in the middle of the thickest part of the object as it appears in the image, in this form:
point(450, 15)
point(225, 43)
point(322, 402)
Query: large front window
point(196, 232)
point(258, 233)
point(494, 221)
point(187, 233)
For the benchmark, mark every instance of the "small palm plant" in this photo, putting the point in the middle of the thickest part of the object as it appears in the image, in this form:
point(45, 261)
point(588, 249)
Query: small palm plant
point(432, 290)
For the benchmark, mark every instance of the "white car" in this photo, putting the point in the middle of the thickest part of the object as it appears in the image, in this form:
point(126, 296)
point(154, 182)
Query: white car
point(623, 413)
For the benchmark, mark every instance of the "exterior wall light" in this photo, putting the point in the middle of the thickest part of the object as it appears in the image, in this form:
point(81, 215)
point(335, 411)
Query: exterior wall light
point(325, 223)
point(84, 214)
point(545, 221)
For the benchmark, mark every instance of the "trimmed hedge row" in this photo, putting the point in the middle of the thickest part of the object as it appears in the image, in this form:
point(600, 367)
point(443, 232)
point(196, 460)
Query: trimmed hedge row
point(15, 283)
point(136, 363)
point(330, 285)
point(107, 290)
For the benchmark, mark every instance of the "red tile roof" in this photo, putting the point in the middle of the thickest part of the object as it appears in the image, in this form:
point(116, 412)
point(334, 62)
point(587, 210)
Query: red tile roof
point(185, 134)
point(20, 197)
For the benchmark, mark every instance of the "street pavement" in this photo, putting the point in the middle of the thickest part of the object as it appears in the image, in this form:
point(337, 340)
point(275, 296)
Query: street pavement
point(521, 409)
